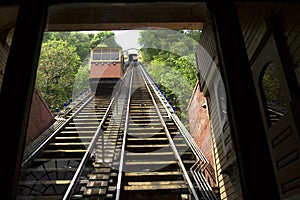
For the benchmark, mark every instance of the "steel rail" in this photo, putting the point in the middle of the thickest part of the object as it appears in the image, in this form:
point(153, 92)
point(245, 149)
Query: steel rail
point(191, 142)
point(186, 176)
point(89, 150)
point(118, 188)
point(178, 123)
point(87, 153)
point(183, 130)
point(157, 92)
point(55, 132)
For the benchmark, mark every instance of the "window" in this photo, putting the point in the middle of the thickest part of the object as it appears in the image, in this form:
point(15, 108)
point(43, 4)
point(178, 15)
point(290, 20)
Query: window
point(221, 101)
point(114, 55)
point(105, 55)
point(272, 92)
point(96, 55)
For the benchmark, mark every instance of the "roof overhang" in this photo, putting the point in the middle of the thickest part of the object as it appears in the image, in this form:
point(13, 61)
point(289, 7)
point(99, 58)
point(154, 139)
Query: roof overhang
point(124, 16)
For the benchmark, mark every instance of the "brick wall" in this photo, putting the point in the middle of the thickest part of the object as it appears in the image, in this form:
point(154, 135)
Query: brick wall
point(199, 123)
point(40, 117)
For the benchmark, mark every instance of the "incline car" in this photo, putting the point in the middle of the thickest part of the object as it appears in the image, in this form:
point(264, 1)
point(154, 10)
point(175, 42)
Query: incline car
point(106, 68)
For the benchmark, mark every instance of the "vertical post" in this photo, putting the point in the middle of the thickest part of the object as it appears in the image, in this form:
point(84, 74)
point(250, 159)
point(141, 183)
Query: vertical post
point(18, 85)
point(253, 158)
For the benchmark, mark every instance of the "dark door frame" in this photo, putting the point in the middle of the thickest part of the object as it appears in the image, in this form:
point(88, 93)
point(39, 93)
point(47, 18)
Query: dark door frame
point(248, 134)
point(19, 81)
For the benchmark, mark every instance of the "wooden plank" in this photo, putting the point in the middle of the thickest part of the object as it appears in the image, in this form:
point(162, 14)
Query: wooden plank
point(84, 123)
point(80, 127)
point(152, 139)
point(148, 183)
point(150, 154)
point(95, 191)
point(147, 139)
point(146, 134)
point(154, 145)
point(166, 173)
point(99, 177)
point(151, 162)
point(97, 184)
point(65, 151)
point(161, 185)
point(73, 138)
point(148, 146)
point(68, 143)
point(76, 132)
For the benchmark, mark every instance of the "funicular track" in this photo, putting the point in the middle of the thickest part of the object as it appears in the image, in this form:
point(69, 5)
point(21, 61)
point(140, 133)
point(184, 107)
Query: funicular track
point(151, 167)
point(49, 168)
point(132, 147)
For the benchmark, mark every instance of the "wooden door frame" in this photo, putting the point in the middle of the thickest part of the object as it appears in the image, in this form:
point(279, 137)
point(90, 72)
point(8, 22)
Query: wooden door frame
point(234, 64)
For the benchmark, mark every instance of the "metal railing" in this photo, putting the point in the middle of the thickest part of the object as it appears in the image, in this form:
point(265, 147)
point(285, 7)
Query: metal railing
point(202, 163)
point(185, 173)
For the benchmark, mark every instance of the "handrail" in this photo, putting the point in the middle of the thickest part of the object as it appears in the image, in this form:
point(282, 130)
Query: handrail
point(118, 188)
point(186, 176)
point(201, 182)
point(182, 128)
point(190, 141)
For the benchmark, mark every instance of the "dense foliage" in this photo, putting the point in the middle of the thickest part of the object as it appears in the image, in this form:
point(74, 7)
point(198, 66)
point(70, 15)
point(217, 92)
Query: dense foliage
point(169, 57)
point(104, 38)
point(63, 65)
point(81, 41)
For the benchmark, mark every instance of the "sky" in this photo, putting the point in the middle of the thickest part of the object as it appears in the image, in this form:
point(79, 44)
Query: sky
point(127, 39)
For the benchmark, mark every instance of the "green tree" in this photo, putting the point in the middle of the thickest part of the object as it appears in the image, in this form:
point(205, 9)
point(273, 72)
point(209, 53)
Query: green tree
point(82, 80)
point(169, 57)
point(81, 41)
point(58, 65)
point(63, 65)
point(104, 38)
point(176, 87)
point(174, 48)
